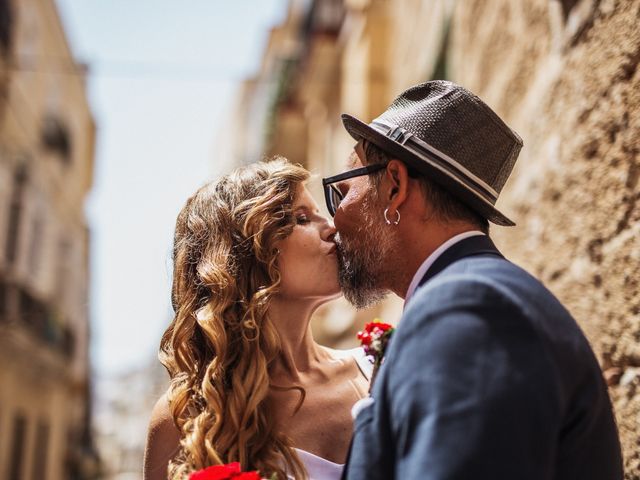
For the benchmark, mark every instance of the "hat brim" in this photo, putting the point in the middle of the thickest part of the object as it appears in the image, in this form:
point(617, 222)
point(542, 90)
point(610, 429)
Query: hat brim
point(423, 164)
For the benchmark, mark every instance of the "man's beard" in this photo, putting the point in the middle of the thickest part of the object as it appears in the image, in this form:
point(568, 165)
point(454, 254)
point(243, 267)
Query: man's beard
point(361, 260)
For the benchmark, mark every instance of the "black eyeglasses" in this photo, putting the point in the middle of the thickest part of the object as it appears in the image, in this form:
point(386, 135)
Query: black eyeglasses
point(333, 196)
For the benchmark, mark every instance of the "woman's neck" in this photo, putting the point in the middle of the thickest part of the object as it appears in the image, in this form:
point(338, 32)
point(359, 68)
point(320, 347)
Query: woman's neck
point(299, 351)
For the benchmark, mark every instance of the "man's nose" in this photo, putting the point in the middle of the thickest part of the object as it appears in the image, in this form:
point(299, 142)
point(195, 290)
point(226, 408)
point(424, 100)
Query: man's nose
point(338, 219)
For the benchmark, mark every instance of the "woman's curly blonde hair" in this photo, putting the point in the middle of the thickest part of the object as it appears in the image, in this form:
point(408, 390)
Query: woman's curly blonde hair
point(221, 343)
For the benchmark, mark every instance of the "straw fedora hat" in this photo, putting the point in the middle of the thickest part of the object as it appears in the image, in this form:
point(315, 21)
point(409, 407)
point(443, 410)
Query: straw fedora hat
point(452, 137)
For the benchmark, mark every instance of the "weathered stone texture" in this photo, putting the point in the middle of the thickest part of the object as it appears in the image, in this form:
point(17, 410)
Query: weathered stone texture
point(565, 75)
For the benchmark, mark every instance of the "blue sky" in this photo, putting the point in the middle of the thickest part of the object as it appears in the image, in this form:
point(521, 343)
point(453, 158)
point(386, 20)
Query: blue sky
point(161, 79)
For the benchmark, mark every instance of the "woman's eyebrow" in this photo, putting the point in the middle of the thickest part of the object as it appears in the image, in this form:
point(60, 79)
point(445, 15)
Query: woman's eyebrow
point(306, 209)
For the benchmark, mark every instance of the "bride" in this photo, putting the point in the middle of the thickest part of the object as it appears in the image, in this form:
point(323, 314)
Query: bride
point(253, 259)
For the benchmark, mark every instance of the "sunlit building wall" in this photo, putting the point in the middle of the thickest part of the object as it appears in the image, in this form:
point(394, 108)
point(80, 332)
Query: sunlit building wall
point(46, 166)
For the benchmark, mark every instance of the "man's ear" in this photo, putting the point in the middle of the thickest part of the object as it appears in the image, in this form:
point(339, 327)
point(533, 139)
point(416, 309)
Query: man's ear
point(397, 178)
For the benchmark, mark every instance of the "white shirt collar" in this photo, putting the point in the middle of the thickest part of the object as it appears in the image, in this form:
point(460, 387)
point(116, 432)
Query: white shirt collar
point(433, 257)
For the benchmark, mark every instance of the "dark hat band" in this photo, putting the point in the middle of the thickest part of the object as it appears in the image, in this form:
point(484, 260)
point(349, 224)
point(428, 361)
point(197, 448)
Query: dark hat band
point(435, 157)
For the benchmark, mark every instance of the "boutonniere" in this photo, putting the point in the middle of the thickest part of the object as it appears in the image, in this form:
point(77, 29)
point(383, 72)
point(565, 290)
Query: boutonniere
point(230, 471)
point(375, 338)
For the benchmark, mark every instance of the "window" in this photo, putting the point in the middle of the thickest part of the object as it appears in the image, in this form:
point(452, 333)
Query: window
point(3, 301)
point(55, 137)
point(63, 272)
point(17, 447)
point(6, 26)
point(15, 214)
point(40, 453)
point(35, 242)
point(68, 342)
point(567, 6)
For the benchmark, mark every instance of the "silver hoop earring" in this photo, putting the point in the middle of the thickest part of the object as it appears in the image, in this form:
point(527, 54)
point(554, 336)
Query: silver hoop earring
point(389, 222)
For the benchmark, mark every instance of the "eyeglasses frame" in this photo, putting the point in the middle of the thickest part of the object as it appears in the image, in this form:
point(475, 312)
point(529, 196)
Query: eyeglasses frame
point(328, 183)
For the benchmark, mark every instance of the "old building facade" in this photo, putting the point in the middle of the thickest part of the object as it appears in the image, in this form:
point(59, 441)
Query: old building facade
point(563, 73)
point(46, 166)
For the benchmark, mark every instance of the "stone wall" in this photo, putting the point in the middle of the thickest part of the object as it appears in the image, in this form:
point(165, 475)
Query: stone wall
point(565, 75)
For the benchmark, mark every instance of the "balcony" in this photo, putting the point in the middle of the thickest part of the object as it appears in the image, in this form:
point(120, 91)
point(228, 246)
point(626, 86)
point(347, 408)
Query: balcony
point(20, 309)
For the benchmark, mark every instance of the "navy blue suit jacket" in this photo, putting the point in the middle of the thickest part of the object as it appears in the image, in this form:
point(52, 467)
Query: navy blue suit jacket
point(488, 377)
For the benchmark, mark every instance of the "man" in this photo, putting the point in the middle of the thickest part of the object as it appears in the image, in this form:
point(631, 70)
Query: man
point(488, 376)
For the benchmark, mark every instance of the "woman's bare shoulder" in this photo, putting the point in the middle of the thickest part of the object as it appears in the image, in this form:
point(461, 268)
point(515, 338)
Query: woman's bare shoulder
point(163, 440)
point(161, 418)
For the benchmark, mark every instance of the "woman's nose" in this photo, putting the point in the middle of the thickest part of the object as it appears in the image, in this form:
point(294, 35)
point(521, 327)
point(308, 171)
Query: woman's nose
point(329, 231)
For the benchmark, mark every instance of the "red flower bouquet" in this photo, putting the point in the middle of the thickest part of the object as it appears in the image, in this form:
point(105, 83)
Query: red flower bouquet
point(375, 338)
point(230, 471)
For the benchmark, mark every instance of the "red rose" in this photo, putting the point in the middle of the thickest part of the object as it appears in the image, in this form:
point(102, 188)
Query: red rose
point(377, 327)
point(365, 338)
point(224, 472)
point(383, 327)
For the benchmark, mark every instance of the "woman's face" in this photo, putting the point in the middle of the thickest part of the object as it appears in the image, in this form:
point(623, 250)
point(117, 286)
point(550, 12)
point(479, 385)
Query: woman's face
point(307, 261)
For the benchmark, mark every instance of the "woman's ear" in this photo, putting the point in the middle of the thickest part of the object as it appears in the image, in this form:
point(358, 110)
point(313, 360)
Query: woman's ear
point(396, 177)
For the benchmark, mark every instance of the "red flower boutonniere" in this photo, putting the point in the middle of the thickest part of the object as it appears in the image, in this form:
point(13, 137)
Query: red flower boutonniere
point(375, 338)
point(230, 471)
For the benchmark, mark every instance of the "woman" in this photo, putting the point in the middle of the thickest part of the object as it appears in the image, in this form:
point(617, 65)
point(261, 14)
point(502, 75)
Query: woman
point(253, 259)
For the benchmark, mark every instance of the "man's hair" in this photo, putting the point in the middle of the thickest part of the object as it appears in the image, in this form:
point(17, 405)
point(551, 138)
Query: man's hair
point(445, 205)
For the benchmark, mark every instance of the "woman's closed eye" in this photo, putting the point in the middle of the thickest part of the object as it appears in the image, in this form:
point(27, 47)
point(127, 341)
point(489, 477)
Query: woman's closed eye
point(302, 219)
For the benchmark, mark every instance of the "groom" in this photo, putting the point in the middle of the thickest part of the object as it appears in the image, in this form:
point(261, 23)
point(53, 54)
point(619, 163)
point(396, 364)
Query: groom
point(488, 375)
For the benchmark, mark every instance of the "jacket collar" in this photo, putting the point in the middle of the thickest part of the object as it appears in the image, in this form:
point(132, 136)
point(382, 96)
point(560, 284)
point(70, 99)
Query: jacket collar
point(476, 245)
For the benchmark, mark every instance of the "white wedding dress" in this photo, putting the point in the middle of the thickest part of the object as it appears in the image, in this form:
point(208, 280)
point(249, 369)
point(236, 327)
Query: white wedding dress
point(317, 467)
